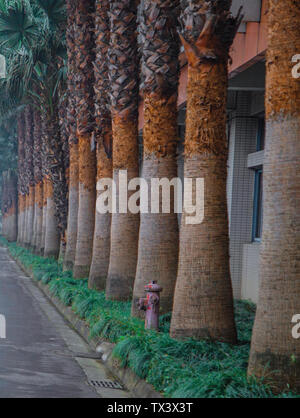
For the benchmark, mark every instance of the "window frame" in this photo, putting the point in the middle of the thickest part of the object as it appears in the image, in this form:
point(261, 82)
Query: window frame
point(261, 134)
point(258, 185)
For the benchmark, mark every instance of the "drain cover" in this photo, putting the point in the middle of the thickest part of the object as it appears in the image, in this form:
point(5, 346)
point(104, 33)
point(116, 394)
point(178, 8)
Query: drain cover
point(109, 384)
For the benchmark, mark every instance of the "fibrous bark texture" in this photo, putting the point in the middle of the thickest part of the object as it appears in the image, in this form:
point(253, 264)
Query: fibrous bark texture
point(56, 186)
point(203, 302)
point(52, 238)
point(64, 194)
point(103, 137)
point(73, 208)
point(21, 186)
point(85, 126)
point(9, 203)
point(38, 180)
point(158, 237)
point(71, 238)
point(101, 246)
point(123, 74)
point(29, 152)
point(275, 353)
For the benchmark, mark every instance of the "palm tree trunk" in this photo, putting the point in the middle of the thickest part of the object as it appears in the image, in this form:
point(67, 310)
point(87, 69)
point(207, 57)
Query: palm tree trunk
point(55, 183)
point(38, 177)
point(101, 245)
point(64, 190)
point(29, 149)
point(123, 73)
point(25, 233)
point(4, 200)
point(158, 238)
point(86, 208)
point(20, 218)
point(30, 217)
point(44, 222)
point(203, 302)
point(4, 203)
point(21, 157)
point(103, 134)
point(69, 259)
point(85, 124)
point(71, 239)
point(275, 353)
point(12, 227)
point(39, 216)
point(52, 237)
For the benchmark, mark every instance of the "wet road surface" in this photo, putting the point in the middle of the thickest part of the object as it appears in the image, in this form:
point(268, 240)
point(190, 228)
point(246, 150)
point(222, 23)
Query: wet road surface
point(41, 355)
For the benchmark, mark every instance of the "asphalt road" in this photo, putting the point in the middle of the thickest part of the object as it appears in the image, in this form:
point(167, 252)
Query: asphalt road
point(41, 355)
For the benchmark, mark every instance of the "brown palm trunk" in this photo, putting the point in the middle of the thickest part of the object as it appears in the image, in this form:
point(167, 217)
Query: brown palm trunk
point(52, 237)
point(12, 232)
point(86, 208)
point(158, 238)
point(69, 259)
point(38, 216)
point(29, 150)
point(4, 203)
point(30, 216)
point(85, 124)
point(38, 179)
point(44, 222)
point(64, 190)
point(21, 190)
point(71, 234)
point(20, 218)
point(56, 187)
point(103, 135)
point(203, 302)
point(275, 354)
point(123, 73)
point(25, 218)
point(101, 245)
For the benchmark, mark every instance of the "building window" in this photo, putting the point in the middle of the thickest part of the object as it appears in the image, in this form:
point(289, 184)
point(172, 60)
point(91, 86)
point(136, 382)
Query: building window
point(260, 145)
point(258, 206)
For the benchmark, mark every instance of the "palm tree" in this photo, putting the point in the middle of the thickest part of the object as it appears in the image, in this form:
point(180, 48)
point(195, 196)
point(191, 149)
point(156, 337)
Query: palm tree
point(275, 353)
point(123, 74)
point(85, 126)
point(203, 302)
point(103, 136)
point(158, 238)
point(71, 239)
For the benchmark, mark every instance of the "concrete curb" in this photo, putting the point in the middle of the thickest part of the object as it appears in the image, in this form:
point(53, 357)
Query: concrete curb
point(136, 386)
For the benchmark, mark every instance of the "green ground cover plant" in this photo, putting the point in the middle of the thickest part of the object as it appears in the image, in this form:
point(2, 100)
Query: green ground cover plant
point(187, 369)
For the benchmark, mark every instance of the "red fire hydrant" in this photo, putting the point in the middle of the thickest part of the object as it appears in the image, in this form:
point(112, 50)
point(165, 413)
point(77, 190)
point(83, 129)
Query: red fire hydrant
point(150, 304)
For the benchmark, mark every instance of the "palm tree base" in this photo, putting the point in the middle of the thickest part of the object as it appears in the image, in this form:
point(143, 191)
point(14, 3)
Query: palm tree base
point(81, 272)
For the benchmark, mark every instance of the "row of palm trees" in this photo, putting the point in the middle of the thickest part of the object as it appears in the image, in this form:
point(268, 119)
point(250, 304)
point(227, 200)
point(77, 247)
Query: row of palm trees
point(80, 124)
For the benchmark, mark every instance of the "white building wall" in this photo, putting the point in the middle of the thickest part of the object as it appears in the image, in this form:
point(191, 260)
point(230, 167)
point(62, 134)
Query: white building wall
point(242, 142)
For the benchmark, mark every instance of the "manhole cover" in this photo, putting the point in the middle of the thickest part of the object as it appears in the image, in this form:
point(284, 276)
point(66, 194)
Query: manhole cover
point(108, 384)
